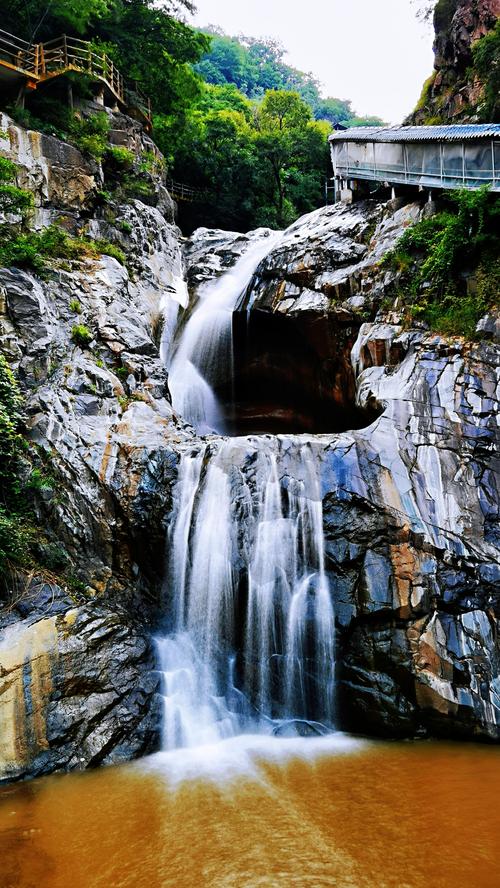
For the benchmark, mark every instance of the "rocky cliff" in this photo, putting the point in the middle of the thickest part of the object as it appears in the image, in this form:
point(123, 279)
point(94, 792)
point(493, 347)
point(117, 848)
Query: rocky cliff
point(410, 496)
point(76, 679)
point(411, 500)
point(459, 89)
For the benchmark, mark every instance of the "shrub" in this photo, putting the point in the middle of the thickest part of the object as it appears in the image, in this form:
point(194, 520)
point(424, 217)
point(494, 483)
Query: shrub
point(12, 198)
point(10, 416)
point(435, 256)
point(133, 186)
point(124, 226)
point(120, 157)
point(90, 134)
point(109, 249)
point(16, 537)
point(81, 335)
point(443, 14)
point(30, 249)
point(75, 306)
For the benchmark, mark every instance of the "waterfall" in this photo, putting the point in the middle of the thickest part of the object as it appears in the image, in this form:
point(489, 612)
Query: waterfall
point(251, 640)
point(203, 357)
point(248, 643)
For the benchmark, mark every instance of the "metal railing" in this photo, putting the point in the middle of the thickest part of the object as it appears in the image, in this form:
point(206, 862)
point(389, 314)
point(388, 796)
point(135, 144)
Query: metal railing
point(179, 191)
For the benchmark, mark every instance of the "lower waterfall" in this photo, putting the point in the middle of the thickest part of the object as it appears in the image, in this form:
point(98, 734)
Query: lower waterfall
point(250, 645)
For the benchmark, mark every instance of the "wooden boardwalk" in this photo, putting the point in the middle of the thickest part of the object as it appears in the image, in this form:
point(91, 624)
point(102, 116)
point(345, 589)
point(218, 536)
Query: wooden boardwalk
point(38, 63)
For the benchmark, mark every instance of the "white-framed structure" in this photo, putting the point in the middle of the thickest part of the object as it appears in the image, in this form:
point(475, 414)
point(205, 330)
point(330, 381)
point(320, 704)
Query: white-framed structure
point(457, 156)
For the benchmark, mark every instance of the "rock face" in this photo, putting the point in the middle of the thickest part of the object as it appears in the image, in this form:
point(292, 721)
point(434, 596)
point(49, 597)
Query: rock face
point(78, 686)
point(407, 454)
point(455, 93)
point(103, 435)
point(411, 501)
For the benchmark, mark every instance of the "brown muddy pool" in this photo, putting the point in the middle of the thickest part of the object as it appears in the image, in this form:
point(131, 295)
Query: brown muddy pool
point(254, 812)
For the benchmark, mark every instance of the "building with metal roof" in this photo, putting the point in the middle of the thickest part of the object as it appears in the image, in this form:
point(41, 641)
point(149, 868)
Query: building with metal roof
point(455, 156)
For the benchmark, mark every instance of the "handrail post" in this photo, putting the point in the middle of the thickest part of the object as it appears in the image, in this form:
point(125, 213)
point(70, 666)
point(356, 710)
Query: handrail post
point(65, 50)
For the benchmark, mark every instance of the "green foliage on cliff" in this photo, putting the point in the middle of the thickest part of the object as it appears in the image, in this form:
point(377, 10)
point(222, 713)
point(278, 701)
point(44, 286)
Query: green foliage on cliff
point(486, 55)
point(81, 335)
point(22, 543)
point(13, 534)
point(443, 14)
point(10, 416)
point(12, 199)
point(449, 266)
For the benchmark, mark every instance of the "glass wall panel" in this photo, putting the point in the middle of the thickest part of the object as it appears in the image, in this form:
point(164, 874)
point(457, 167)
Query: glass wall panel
point(415, 160)
point(452, 162)
point(497, 164)
point(361, 156)
point(390, 158)
point(478, 163)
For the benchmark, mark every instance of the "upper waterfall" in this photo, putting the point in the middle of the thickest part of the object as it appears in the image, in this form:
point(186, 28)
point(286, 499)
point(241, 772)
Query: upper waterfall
point(203, 355)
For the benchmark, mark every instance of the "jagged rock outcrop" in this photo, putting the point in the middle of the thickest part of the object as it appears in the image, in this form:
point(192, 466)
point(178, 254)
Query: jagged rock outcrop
point(455, 92)
point(103, 433)
point(77, 684)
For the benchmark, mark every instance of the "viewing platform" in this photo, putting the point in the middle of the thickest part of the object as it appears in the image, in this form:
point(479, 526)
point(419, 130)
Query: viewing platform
point(429, 157)
point(32, 64)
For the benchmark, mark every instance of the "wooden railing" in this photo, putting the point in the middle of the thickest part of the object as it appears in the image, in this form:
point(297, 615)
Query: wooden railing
point(179, 191)
point(18, 53)
point(43, 61)
point(72, 54)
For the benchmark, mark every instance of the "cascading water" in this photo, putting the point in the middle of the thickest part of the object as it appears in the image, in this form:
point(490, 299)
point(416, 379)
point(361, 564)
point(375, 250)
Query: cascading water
point(204, 354)
point(251, 644)
point(249, 641)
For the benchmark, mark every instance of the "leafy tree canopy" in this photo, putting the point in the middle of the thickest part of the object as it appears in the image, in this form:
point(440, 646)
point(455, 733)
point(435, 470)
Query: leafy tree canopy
point(257, 65)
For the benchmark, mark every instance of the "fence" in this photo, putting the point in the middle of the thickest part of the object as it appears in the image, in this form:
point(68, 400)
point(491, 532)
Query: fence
point(44, 61)
point(179, 191)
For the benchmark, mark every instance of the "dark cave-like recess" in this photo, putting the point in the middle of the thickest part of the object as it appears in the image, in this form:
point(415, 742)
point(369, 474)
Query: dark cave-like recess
point(291, 375)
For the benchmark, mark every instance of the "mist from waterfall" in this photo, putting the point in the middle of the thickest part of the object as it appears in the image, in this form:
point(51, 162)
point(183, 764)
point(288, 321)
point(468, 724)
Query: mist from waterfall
point(248, 638)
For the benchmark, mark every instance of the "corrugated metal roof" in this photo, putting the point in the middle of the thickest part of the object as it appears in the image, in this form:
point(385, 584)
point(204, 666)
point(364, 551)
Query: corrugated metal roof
point(453, 133)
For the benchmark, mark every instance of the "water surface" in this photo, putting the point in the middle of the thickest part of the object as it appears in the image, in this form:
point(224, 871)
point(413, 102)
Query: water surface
point(253, 812)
